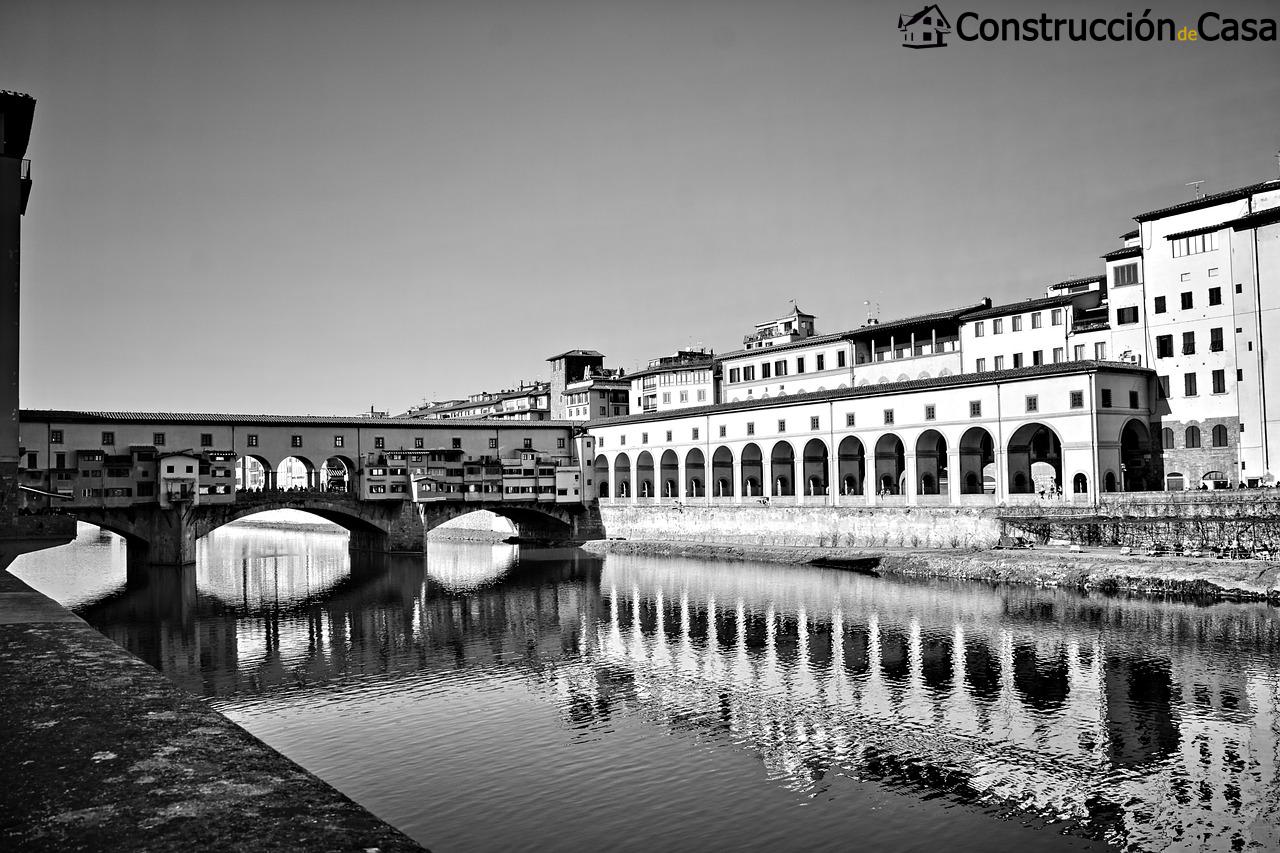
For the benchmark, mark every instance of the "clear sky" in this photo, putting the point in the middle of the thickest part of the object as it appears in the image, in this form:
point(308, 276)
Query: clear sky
point(322, 206)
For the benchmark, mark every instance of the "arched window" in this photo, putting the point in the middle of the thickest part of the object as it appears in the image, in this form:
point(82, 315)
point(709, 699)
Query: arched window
point(1166, 437)
point(1080, 484)
point(1219, 436)
point(1175, 483)
point(1109, 482)
point(1193, 436)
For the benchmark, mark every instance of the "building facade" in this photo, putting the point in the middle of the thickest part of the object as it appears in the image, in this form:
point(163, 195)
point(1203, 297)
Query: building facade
point(16, 114)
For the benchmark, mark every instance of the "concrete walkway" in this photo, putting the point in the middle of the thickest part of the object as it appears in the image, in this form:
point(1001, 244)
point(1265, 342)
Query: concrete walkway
point(98, 751)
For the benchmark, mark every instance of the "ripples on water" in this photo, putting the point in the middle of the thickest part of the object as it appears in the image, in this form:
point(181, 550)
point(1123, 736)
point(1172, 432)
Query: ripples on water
point(498, 698)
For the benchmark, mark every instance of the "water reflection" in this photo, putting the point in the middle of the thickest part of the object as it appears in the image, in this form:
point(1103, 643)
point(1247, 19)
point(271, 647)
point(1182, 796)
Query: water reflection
point(1142, 724)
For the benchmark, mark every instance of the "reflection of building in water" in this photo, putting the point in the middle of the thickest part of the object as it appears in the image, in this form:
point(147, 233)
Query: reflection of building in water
point(952, 689)
point(1140, 722)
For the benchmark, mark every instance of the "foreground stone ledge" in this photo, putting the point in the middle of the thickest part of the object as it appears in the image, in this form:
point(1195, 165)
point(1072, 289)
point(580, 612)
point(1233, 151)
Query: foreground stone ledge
point(98, 751)
point(1099, 569)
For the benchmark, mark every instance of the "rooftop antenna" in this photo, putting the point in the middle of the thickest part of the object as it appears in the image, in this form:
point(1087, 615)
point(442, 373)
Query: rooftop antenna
point(1196, 186)
point(873, 313)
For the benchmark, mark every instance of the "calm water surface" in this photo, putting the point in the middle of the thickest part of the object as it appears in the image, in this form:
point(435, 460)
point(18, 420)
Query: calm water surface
point(492, 698)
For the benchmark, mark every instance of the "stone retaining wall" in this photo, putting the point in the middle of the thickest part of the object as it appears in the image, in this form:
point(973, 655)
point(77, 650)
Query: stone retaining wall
point(822, 527)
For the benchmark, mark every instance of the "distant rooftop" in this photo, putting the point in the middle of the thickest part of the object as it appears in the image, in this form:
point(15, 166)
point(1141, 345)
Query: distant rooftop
point(1210, 200)
point(590, 353)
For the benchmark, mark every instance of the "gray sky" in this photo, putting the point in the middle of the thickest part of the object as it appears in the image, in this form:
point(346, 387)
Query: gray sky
point(316, 207)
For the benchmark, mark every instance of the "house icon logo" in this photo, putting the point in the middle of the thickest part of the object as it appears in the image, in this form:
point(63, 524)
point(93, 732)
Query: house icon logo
point(926, 28)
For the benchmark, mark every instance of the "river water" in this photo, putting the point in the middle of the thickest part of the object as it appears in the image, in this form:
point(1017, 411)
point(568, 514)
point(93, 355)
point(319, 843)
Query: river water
point(490, 697)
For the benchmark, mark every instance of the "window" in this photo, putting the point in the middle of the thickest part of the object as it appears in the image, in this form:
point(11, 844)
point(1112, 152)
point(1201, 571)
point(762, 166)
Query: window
point(1033, 403)
point(493, 444)
point(782, 426)
point(1166, 438)
point(1017, 360)
point(1188, 343)
point(1055, 316)
point(981, 365)
point(1016, 323)
point(560, 443)
point(840, 358)
point(684, 396)
point(1215, 340)
point(1125, 274)
point(1100, 351)
point(417, 444)
point(1163, 383)
point(766, 370)
point(1215, 296)
point(1037, 357)
point(1159, 305)
point(999, 362)
point(1059, 355)
point(979, 329)
point(997, 326)
point(604, 410)
point(813, 422)
point(1164, 346)
point(1133, 400)
point(1239, 375)
point(1219, 436)
point(1077, 399)
point(849, 419)
point(1188, 301)
point(1127, 315)
point(975, 408)
point(735, 374)
point(251, 440)
point(800, 364)
point(821, 362)
point(34, 458)
point(55, 436)
point(1106, 398)
point(1219, 382)
point(108, 438)
point(378, 442)
point(295, 441)
point(1239, 288)
point(1193, 436)
point(751, 428)
point(723, 430)
point(694, 434)
point(1195, 245)
point(1189, 384)
point(931, 412)
point(456, 443)
point(779, 368)
point(888, 416)
point(666, 397)
point(1035, 320)
point(206, 439)
point(702, 395)
point(668, 435)
point(749, 373)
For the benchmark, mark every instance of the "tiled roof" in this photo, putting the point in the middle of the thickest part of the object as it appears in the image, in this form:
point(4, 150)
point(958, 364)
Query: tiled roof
point(1257, 219)
point(874, 390)
point(1129, 235)
point(1072, 282)
point(1192, 232)
point(1020, 307)
point(212, 419)
point(1209, 200)
point(708, 360)
point(1125, 252)
point(815, 339)
point(582, 352)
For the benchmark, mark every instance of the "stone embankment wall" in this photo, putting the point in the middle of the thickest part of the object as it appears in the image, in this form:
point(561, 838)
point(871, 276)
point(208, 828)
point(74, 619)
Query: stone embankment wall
point(807, 526)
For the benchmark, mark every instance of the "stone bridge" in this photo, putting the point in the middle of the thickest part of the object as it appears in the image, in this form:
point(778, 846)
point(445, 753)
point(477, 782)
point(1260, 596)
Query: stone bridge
point(168, 536)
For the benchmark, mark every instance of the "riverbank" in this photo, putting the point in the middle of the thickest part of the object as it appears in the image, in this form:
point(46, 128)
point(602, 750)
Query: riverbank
point(101, 752)
point(1101, 569)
